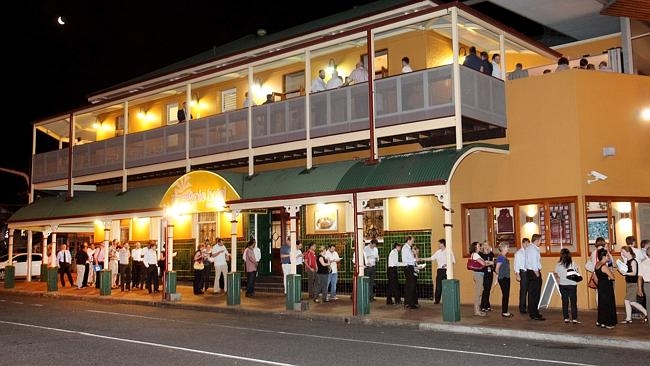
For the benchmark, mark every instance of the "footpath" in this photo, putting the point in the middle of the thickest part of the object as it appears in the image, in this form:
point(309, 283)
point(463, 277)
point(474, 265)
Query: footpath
point(427, 318)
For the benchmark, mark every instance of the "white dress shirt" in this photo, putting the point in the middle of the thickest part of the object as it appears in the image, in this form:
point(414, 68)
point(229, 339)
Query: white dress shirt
point(440, 256)
point(533, 258)
point(318, 85)
point(64, 256)
point(219, 253)
point(123, 256)
point(334, 258)
point(393, 258)
point(407, 255)
point(520, 260)
point(150, 257)
point(372, 254)
point(137, 254)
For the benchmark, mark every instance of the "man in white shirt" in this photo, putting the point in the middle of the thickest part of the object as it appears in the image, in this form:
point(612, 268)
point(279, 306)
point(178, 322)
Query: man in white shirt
point(333, 258)
point(318, 84)
point(123, 256)
point(440, 257)
point(372, 254)
point(534, 273)
point(221, 256)
point(639, 253)
point(335, 81)
point(359, 74)
point(410, 291)
point(138, 267)
point(643, 252)
point(522, 275)
point(496, 66)
point(393, 296)
point(64, 258)
point(150, 260)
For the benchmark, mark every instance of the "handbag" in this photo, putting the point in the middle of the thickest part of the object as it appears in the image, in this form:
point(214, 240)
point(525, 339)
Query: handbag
point(198, 266)
point(573, 275)
point(593, 281)
point(474, 265)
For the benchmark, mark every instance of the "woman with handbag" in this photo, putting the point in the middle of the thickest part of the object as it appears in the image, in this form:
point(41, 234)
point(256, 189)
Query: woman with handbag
point(606, 299)
point(568, 286)
point(631, 280)
point(198, 270)
point(478, 278)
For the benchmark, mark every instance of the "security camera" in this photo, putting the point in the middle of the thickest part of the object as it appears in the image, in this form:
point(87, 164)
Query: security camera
point(597, 175)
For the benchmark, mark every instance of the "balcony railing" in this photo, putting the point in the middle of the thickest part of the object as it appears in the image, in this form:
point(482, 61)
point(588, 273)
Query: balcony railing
point(399, 100)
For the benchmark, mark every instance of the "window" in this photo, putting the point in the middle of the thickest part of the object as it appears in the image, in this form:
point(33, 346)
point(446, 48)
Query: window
point(615, 218)
point(229, 100)
point(172, 113)
point(294, 84)
point(381, 63)
point(497, 222)
point(119, 125)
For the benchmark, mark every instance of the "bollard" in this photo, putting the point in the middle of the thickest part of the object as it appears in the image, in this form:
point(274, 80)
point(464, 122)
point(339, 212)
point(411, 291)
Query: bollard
point(294, 291)
point(450, 300)
point(104, 282)
point(52, 279)
point(10, 276)
point(233, 295)
point(363, 295)
point(43, 272)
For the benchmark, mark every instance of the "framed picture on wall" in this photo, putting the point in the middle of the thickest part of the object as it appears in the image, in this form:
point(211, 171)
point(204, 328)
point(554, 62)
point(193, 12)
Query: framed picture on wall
point(326, 219)
point(597, 227)
point(504, 220)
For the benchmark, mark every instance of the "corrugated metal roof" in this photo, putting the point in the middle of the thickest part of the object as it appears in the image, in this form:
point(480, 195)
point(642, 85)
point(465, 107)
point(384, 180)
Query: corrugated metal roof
point(429, 167)
point(251, 42)
point(296, 181)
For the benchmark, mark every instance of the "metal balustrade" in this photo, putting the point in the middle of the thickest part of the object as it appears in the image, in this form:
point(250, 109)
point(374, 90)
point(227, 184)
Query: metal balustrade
point(399, 100)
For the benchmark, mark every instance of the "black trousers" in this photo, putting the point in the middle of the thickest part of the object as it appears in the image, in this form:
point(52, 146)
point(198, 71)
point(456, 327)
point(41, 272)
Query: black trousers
point(534, 291)
point(487, 286)
point(65, 269)
point(125, 276)
point(370, 272)
point(392, 294)
point(139, 274)
point(441, 274)
point(152, 278)
point(523, 291)
point(198, 276)
point(410, 294)
point(250, 283)
point(98, 274)
point(504, 284)
point(85, 280)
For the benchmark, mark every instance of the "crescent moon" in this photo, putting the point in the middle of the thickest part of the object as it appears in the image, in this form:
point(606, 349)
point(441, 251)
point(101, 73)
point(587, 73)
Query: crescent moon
point(61, 21)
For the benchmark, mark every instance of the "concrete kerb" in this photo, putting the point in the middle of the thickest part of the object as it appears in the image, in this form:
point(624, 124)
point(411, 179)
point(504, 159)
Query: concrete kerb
point(591, 340)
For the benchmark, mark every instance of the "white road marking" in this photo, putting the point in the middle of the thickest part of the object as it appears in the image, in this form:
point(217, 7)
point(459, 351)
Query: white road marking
point(358, 340)
point(19, 302)
point(223, 355)
point(37, 304)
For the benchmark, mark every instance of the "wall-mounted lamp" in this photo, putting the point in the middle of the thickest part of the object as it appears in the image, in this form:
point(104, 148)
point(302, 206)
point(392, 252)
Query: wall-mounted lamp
point(195, 100)
point(529, 219)
point(142, 113)
point(625, 215)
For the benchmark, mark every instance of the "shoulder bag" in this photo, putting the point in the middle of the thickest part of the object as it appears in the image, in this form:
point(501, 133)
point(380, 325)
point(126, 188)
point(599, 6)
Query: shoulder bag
point(474, 265)
point(593, 281)
point(573, 275)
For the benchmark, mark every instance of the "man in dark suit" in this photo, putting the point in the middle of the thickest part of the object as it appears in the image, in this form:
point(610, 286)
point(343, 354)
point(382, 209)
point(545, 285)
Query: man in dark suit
point(182, 113)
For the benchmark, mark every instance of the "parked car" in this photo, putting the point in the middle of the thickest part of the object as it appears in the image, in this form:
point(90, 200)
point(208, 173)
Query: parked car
point(20, 264)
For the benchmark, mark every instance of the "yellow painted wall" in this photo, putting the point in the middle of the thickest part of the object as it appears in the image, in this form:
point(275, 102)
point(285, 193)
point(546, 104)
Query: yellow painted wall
point(593, 48)
point(225, 228)
point(557, 127)
point(141, 229)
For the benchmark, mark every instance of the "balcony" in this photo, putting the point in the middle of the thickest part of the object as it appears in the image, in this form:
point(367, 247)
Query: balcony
point(278, 127)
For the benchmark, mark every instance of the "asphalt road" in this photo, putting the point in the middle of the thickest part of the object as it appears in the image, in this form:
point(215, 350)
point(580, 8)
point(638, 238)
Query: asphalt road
point(49, 331)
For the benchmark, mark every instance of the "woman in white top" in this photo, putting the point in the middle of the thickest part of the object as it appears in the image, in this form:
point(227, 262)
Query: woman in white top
point(478, 279)
point(568, 288)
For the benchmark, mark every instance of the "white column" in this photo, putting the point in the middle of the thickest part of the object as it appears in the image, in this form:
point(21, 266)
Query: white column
point(52, 263)
point(293, 210)
point(44, 247)
point(445, 200)
point(233, 240)
point(456, 78)
point(308, 108)
point(107, 233)
point(169, 250)
point(626, 44)
point(29, 256)
point(11, 246)
point(359, 254)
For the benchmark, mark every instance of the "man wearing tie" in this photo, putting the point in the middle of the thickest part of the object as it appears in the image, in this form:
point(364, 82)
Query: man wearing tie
point(65, 264)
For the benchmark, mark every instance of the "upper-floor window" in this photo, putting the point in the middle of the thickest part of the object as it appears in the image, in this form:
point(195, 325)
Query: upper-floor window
point(172, 113)
point(294, 84)
point(229, 99)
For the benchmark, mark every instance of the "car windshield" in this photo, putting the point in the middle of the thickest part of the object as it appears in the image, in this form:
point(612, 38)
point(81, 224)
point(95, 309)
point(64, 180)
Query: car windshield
point(3, 258)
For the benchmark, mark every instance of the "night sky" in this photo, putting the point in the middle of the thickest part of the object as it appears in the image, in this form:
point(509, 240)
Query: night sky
point(104, 43)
